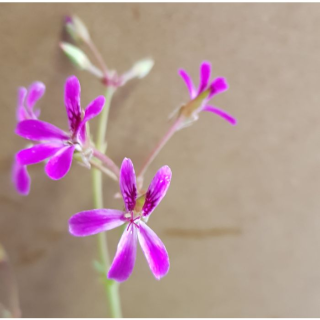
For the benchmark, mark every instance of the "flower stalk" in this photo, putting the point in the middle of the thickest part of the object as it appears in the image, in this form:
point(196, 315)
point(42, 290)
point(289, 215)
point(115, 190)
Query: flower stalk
point(175, 126)
point(111, 287)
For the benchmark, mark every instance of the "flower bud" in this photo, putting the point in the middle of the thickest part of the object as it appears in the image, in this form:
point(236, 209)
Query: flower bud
point(77, 56)
point(141, 68)
point(77, 29)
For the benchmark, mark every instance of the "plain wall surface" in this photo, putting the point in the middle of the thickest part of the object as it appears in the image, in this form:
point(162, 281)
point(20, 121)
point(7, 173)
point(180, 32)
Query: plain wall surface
point(241, 219)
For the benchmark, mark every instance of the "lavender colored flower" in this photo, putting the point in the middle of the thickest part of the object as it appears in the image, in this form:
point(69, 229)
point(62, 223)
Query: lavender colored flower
point(27, 100)
point(54, 143)
point(136, 213)
point(201, 96)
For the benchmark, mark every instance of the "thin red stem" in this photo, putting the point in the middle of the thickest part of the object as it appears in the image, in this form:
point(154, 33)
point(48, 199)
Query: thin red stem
point(159, 146)
point(107, 161)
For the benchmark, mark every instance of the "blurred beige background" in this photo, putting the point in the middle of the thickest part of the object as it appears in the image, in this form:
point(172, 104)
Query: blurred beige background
point(241, 220)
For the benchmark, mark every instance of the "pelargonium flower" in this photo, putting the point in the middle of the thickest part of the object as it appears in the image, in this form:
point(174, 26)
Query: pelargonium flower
point(54, 143)
point(27, 100)
point(136, 213)
point(201, 96)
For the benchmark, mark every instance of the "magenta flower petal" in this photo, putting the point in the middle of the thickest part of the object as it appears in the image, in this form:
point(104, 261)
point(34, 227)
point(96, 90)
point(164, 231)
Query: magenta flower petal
point(221, 113)
point(21, 178)
point(37, 153)
point(128, 186)
point(21, 111)
point(87, 223)
point(218, 85)
point(205, 70)
point(72, 102)
point(125, 256)
point(92, 110)
point(154, 251)
point(188, 82)
point(59, 165)
point(35, 92)
point(157, 190)
point(39, 130)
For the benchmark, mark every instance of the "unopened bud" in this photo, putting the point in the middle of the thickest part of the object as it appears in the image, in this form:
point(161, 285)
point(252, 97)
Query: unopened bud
point(77, 56)
point(77, 29)
point(141, 68)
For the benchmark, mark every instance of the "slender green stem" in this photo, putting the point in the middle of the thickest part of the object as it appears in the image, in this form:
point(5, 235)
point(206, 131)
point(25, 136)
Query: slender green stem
point(111, 287)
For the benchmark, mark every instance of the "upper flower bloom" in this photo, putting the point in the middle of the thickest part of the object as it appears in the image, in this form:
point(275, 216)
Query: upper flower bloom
point(136, 213)
point(25, 110)
point(55, 143)
point(201, 96)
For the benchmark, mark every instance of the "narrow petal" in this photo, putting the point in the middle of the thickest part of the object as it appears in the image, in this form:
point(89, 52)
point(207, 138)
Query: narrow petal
point(205, 70)
point(125, 256)
point(157, 190)
point(21, 178)
point(221, 113)
point(35, 92)
point(40, 131)
point(188, 82)
point(59, 165)
point(37, 153)
point(72, 102)
point(218, 85)
point(154, 251)
point(128, 184)
point(92, 110)
point(87, 223)
point(21, 111)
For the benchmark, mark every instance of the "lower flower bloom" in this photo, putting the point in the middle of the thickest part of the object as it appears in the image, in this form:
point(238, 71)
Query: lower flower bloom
point(136, 214)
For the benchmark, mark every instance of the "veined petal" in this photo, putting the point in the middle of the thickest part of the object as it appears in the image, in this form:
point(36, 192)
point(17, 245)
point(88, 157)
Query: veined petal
point(72, 102)
point(35, 92)
point(87, 223)
point(188, 82)
point(125, 256)
point(157, 190)
point(205, 70)
point(59, 165)
point(21, 178)
point(92, 110)
point(128, 186)
point(37, 153)
point(221, 113)
point(154, 251)
point(218, 85)
point(21, 111)
point(40, 131)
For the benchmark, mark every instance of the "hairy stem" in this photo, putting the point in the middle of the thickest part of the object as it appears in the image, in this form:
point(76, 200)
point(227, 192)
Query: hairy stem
point(111, 287)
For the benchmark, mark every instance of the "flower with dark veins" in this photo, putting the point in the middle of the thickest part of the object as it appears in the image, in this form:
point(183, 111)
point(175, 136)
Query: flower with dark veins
point(54, 143)
point(201, 96)
point(135, 214)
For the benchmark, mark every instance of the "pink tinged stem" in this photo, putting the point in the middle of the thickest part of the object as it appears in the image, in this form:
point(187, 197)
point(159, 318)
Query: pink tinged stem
point(160, 145)
point(98, 56)
point(125, 257)
point(154, 251)
point(107, 161)
point(221, 113)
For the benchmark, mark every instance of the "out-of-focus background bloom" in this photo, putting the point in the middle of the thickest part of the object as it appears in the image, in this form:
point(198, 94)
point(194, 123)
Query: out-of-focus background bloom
point(241, 221)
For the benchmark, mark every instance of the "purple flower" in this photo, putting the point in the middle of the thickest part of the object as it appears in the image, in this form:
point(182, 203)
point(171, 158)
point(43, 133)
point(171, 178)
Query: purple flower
point(136, 213)
point(27, 100)
point(201, 96)
point(54, 143)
